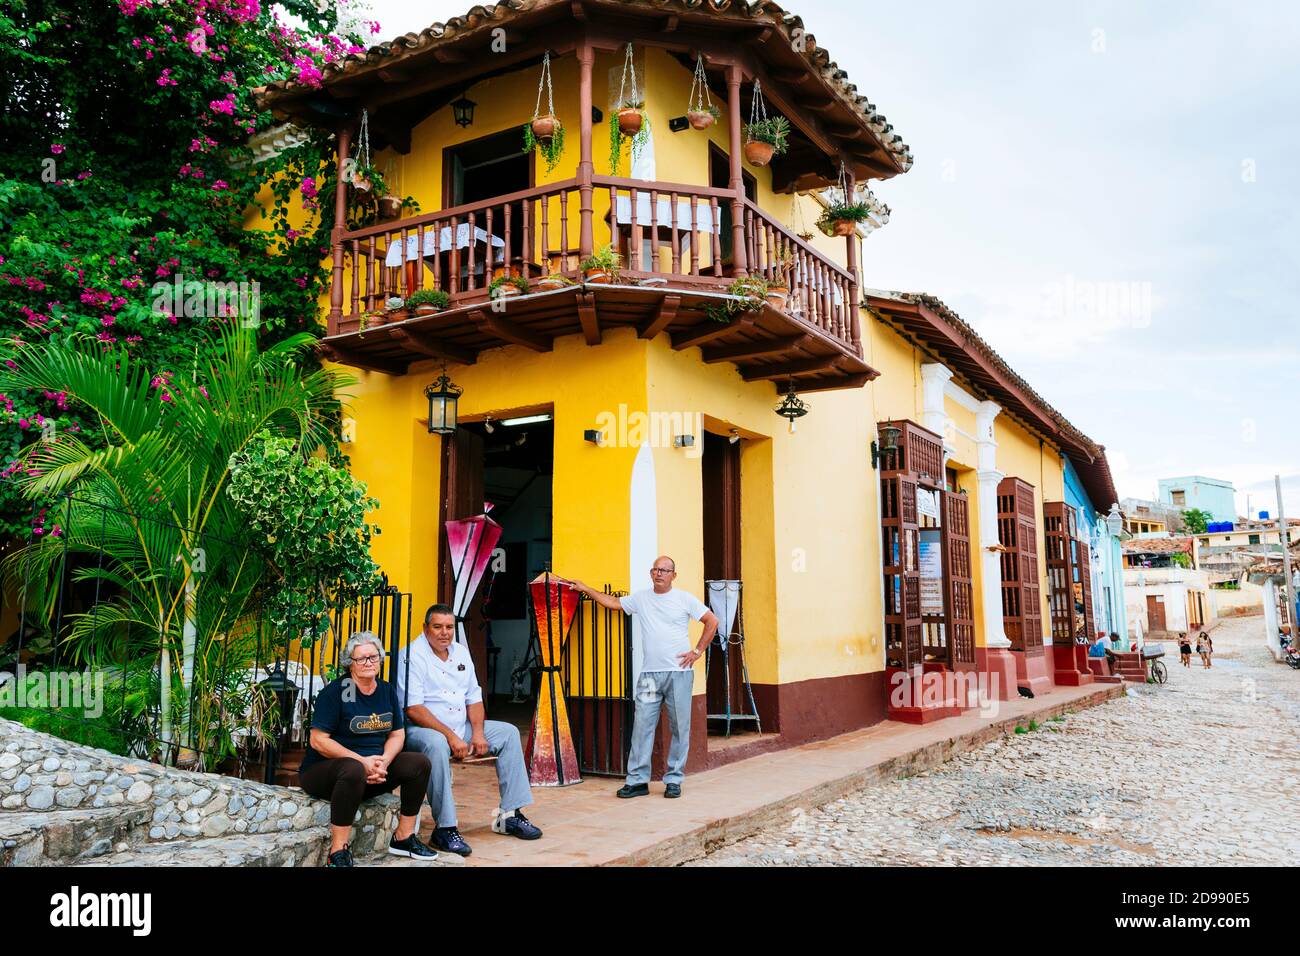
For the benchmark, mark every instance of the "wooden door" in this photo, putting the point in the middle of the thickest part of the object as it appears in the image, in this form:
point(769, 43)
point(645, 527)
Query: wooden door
point(958, 588)
point(720, 479)
point(1022, 616)
point(462, 497)
point(1155, 612)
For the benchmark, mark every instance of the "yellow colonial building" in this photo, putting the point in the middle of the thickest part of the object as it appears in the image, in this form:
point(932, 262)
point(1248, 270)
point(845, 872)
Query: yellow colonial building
point(902, 525)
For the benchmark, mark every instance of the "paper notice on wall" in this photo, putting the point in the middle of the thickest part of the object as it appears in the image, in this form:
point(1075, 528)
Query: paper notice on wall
point(931, 568)
point(927, 503)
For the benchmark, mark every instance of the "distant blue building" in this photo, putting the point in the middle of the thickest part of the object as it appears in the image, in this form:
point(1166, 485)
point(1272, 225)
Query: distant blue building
point(1196, 491)
point(1107, 567)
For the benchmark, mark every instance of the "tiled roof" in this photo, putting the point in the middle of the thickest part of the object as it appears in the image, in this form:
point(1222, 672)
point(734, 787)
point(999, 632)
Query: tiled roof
point(501, 14)
point(1158, 545)
point(1088, 456)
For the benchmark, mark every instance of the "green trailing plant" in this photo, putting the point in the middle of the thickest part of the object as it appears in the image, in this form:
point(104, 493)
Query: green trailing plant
point(434, 297)
point(551, 150)
point(501, 282)
point(775, 131)
point(617, 139)
point(748, 295)
point(307, 518)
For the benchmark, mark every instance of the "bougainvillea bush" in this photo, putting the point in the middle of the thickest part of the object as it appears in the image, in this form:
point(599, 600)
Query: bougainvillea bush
point(125, 163)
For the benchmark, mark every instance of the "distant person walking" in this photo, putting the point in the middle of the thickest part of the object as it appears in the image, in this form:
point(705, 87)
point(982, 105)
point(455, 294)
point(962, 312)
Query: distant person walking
point(1206, 649)
point(1200, 648)
point(1185, 650)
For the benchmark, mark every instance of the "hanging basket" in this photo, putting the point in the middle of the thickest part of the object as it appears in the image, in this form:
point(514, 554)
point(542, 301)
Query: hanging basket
point(390, 207)
point(700, 119)
point(843, 227)
point(759, 154)
point(629, 121)
point(544, 127)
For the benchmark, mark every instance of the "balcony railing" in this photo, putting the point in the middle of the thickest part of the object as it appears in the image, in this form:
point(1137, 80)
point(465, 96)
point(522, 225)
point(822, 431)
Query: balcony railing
point(668, 234)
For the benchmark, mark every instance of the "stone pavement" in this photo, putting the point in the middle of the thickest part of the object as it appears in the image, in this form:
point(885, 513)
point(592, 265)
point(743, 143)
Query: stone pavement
point(585, 825)
point(1202, 771)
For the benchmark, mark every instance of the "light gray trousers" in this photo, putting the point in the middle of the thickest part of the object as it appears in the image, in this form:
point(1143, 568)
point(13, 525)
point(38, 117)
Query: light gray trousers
point(654, 689)
point(512, 775)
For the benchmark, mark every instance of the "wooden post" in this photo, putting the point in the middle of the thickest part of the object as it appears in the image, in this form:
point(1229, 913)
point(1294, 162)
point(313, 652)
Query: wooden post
point(854, 323)
point(336, 236)
point(737, 177)
point(586, 169)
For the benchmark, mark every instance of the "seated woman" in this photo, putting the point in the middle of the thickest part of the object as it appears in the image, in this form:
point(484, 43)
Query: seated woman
point(1098, 649)
point(357, 735)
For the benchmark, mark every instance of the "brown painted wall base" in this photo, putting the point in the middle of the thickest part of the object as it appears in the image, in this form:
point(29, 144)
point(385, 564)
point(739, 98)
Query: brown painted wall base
point(809, 710)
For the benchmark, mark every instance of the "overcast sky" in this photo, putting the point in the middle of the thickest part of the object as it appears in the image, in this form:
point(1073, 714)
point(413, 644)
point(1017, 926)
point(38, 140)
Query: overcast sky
point(1108, 192)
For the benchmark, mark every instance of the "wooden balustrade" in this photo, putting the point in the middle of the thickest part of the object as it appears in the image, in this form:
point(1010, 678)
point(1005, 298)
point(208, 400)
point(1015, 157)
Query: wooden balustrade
point(660, 229)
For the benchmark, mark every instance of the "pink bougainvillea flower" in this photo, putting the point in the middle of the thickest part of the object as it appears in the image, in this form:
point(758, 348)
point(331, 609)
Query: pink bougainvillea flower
point(56, 148)
point(308, 187)
point(198, 41)
point(220, 184)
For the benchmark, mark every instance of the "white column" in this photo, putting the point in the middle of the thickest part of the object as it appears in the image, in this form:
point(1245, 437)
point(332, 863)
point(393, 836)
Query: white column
point(988, 477)
point(933, 414)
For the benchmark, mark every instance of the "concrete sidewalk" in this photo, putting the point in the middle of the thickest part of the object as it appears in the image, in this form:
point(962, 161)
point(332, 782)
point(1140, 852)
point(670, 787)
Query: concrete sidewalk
point(585, 825)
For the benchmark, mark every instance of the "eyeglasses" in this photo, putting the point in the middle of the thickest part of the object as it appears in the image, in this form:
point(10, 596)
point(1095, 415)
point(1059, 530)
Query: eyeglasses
point(372, 659)
point(663, 570)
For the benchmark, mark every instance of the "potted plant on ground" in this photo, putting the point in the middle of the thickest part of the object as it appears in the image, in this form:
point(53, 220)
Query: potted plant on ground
point(766, 138)
point(428, 301)
point(841, 218)
point(553, 281)
point(601, 268)
point(507, 287)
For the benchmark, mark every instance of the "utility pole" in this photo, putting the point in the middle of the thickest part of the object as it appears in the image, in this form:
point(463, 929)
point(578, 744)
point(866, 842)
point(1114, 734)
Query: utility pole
point(1285, 536)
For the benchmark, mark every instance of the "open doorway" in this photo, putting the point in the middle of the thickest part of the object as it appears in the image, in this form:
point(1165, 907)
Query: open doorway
point(510, 464)
point(483, 169)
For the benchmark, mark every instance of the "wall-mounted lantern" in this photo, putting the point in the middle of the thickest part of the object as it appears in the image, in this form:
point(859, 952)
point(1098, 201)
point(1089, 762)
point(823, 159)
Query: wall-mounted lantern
point(889, 435)
point(443, 398)
point(462, 111)
point(1114, 521)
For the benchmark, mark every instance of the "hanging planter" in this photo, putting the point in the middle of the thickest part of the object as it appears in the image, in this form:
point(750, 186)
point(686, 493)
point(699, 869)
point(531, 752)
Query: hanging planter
point(842, 215)
point(545, 133)
point(631, 122)
point(700, 111)
point(764, 137)
point(390, 207)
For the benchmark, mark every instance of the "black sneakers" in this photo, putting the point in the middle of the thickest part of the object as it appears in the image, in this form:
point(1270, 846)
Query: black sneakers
point(515, 824)
point(412, 849)
point(672, 790)
point(450, 840)
point(633, 790)
point(341, 857)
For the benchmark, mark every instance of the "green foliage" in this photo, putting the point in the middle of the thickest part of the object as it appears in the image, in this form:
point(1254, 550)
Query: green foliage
point(841, 211)
point(617, 139)
point(1196, 520)
point(749, 293)
point(307, 518)
point(604, 259)
point(434, 297)
point(551, 150)
point(501, 282)
point(1022, 729)
point(775, 131)
point(1181, 560)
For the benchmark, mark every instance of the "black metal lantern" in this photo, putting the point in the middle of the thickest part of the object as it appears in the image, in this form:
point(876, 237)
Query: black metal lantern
point(792, 407)
point(889, 435)
point(286, 698)
point(443, 396)
point(462, 110)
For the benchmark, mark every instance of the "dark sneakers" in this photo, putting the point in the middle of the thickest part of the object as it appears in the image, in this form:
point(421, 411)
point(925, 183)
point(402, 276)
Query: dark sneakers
point(412, 849)
point(450, 840)
point(633, 790)
point(341, 857)
point(516, 825)
point(672, 790)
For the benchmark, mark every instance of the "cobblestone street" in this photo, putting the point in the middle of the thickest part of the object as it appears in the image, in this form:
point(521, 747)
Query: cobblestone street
point(1201, 771)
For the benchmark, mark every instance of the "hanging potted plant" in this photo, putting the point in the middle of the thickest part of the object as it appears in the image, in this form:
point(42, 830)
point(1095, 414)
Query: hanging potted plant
point(428, 301)
point(765, 136)
point(600, 268)
point(506, 287)
point(545, 133)
point(841, 218)
point(700, 111)
point(632, 122)
point(631, 116)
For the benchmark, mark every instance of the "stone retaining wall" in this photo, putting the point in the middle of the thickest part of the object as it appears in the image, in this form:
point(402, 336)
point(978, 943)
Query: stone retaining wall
point(40, 772)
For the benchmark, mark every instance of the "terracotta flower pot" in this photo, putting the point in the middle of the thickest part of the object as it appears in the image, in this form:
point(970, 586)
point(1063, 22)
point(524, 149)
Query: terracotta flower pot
point(699, 119)
point(843, 227)
point(759, 154)
point(597, 277)
point(777, 295)
point(426, 309)
point(550, 285)
point(390, 207)
point(629, 121)
point(505, 292)
point(544, 127)
point(393, 315)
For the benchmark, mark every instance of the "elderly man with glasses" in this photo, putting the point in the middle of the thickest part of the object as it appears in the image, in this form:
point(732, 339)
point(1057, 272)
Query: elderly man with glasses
point(667, 670)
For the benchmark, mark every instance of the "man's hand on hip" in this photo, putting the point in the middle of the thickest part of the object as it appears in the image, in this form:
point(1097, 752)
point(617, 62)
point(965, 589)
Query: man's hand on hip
point(688, 658)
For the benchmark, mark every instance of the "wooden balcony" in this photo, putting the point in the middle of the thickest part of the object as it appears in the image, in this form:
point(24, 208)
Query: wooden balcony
point(678, 246)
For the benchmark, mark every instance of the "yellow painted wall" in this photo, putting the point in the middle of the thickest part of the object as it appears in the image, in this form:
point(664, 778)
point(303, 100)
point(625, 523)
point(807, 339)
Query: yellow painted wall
point(1022, 455)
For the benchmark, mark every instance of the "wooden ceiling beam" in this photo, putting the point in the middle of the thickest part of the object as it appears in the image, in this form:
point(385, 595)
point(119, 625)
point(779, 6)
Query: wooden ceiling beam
point(848, 381)
point(430, 346)
point(663, 317)
point(509, 332)
point(824, 363)
point(755, 350)
point(588, 319)
point(708, 330)
point(347, 356)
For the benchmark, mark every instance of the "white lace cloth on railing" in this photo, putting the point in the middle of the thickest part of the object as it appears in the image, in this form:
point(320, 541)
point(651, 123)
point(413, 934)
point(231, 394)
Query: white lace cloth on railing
point(444, 243)
point(703, 212)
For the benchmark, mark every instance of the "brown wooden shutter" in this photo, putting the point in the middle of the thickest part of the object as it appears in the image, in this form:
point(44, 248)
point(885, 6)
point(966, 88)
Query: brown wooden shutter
point(1017, 534)
point(1083, 549)
point(959, 596)
point(1069, 559)
point(902, 578)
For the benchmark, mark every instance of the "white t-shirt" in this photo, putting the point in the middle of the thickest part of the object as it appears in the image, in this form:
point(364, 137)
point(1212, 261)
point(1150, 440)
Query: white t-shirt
point(664, 622)
point(446, 688)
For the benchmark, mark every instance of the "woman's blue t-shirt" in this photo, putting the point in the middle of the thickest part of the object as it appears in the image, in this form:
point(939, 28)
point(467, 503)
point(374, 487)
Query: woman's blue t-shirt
point(360, 722)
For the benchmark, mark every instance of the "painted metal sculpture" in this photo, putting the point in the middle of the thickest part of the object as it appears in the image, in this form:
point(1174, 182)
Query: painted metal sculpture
point(552, 760)
point(470, 543)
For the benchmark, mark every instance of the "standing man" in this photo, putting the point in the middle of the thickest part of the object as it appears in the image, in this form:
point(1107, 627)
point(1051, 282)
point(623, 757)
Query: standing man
point(444, 713)
point(664, 616)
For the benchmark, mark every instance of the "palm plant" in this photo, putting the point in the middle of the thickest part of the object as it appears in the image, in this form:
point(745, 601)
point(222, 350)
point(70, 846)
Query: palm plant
point(146, 517)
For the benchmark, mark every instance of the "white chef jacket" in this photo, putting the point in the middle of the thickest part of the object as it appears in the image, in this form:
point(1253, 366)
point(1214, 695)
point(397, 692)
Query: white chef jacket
point(446, 688)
